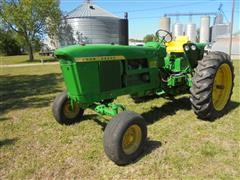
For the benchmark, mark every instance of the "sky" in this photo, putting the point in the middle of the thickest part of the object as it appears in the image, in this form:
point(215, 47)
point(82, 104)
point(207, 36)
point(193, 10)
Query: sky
point(144, 15)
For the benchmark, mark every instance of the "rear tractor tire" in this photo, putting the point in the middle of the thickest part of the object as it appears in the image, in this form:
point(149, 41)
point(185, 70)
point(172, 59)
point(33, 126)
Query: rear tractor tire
point(125, 137)
point(64, 113)
point(212, 86)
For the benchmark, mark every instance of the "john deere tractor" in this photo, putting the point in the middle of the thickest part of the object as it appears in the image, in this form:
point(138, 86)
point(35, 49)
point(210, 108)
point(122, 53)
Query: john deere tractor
point(95, 75)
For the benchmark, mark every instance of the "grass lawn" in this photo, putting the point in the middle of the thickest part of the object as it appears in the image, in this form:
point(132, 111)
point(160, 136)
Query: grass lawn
point(7, 60)
point(34, 145)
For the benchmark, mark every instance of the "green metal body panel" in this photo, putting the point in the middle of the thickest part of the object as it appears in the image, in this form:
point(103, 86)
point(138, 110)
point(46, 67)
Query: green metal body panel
point(131, 52)
point(93, 73)
point(92, 80)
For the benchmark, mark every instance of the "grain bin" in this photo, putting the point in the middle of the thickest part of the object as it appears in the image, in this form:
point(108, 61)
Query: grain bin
point(177, 29)
point(90, 24)
point(218, 19)
point(204, 29)
point(191, 32)
point(165, 23)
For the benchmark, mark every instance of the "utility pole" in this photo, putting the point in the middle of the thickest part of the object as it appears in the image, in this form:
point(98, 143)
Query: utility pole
point(231, 28)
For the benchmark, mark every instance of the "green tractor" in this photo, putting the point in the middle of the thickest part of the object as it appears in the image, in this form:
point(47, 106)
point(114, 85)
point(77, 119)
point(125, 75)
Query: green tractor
point(95, 75)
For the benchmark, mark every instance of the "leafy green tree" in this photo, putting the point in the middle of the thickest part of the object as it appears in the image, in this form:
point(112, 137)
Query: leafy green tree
point(8, 43)
point(149, 38)
point(65, 33)
point(31, 19)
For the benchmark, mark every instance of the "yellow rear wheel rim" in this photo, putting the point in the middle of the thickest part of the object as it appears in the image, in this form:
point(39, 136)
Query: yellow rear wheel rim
point(70, 112)
point(222, 87)
point(132, 139)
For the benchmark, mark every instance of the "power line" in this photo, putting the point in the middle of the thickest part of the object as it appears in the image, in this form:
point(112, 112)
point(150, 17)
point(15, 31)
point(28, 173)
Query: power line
point(151, 9)
point(151, 17)
point(138, 1)
point(191, 14)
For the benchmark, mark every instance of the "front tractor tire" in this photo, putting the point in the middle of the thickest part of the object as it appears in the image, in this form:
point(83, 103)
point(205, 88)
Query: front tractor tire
point(125, 137)
point(212, 86)
point(64, 113)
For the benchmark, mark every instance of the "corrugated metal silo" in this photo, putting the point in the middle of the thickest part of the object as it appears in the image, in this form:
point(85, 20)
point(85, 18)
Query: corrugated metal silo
point(177, 29)
point(91, 24)
point(191, 32)
point(204, 29)
point(165, 23)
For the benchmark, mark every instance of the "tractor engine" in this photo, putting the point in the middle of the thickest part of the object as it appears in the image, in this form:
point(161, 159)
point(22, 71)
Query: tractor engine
point(176, 70)
point(175, 74)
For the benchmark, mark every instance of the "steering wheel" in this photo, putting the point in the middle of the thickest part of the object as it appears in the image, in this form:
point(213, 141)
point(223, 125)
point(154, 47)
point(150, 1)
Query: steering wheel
point(163, 36)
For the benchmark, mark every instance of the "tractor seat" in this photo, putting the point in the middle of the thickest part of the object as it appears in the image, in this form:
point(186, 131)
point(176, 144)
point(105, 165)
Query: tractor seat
point(177, 45)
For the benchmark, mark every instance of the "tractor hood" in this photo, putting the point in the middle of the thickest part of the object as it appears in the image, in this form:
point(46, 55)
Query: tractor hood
point(88, 52)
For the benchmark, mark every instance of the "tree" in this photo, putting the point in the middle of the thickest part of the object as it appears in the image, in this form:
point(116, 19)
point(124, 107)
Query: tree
point(65, 33)
point(31, 19)
point(9, 44)
point(149, 38)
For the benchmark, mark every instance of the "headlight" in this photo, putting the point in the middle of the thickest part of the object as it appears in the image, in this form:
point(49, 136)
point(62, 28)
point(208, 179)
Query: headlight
point(193, 47)
point(209, 45)
point(186, 48)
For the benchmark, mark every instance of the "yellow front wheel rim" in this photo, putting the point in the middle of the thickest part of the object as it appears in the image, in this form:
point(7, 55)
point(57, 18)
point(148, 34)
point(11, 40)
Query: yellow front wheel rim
point(132, 139)
point(69, 111)
point(222, 87)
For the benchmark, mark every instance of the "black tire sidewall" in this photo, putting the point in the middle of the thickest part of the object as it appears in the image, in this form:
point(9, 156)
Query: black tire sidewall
point(116, 129)
point(134, 121)
point(58, 113)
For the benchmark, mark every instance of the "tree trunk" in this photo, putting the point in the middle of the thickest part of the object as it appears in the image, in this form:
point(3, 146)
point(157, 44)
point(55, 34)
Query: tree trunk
point(29, 46)
point(30, 52)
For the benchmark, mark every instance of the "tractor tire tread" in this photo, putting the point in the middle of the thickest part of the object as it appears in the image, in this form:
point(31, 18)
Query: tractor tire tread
point(203, 79)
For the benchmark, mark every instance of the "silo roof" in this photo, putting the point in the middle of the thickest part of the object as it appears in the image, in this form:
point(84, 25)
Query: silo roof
point(89, 10)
